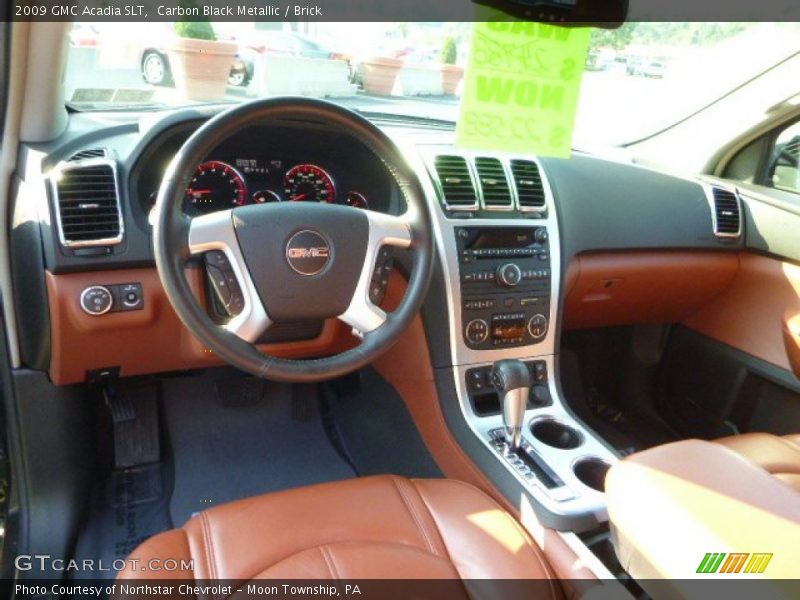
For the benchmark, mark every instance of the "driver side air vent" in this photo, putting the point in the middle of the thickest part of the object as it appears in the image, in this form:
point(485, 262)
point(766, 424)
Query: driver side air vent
point(458, 190)
point(87, 206)
point(727, 213)
point(528, 180)
point(494, 184)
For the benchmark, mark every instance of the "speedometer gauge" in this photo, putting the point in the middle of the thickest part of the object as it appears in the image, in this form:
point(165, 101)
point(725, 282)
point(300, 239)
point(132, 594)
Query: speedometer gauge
point(216, 186)
point(309, 183)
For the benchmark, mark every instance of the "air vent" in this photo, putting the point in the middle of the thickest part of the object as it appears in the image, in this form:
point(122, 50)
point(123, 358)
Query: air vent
point(530, 190)
point(457, 187)
point(494, 184)
point(90, 153)
point(727, 213)
point(87, 203)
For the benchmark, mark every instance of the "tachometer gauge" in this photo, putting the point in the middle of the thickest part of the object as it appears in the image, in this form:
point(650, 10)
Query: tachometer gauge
point(309, 183)
point(356, 199)
point(216, 186)
point(266, 197)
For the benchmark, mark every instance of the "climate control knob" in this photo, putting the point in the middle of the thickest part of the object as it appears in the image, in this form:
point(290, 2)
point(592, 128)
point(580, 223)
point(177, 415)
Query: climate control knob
point(96, 300)
point(537, 326)
point(477, 331)
point(509, 275)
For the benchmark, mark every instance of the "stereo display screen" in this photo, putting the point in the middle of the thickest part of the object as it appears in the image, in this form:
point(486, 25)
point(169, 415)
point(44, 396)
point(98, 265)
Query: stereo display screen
point(499, 237)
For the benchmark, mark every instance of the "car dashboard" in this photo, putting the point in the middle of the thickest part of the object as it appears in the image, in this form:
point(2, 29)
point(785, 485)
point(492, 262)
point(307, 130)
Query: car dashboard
point(526, 247)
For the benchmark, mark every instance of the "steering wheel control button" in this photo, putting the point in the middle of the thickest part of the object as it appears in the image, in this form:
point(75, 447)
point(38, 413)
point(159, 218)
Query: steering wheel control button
point(308, 252)
point(380, 275)
point(477, 331)
point(96, 300)
point(224, 283)
point(537, 326)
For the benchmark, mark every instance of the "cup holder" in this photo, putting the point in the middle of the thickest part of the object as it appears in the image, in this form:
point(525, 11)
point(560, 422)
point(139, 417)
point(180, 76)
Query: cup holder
point(591, 472)
point(556, 434)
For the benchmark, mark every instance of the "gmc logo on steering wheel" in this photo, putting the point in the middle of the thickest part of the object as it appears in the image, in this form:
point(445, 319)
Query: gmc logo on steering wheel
point(321, 252)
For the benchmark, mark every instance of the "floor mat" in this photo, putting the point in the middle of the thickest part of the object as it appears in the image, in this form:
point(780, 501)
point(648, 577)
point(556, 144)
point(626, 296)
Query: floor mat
point(375, 429)
point(233, 436)
point(127, 508)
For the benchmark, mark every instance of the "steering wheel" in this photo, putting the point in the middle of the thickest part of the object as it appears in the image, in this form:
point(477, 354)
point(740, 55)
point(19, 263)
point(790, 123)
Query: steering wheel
point(293, 261)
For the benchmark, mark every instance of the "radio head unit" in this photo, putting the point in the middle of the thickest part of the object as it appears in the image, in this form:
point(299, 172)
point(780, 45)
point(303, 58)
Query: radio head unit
point(505, 285)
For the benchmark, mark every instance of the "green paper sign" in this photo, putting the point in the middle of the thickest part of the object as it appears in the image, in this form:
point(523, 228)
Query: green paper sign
point(521, 87)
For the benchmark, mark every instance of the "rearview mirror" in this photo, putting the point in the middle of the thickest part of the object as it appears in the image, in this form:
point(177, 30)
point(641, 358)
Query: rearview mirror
point(608, 14)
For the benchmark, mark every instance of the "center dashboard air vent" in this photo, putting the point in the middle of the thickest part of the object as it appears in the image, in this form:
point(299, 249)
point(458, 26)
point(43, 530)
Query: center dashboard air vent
point(87, 206)
point(726, 213)
point(494, 184)
point(528, 180)
point(457, 187)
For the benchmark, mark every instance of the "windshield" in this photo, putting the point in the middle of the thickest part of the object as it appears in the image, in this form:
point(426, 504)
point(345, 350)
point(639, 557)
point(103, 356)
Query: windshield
point(638, 79)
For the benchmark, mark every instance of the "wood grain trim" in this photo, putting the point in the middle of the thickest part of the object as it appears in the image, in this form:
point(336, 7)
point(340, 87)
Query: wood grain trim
point(146, 341)
point(628, 288)
point(750, 315)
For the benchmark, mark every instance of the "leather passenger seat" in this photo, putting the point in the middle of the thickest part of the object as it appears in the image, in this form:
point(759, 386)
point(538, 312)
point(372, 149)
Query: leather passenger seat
point(778, 455)
point(671, 505)
point(382, 527)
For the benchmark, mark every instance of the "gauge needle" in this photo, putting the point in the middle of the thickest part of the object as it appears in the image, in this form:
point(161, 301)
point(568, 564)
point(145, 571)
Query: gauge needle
point(199, 192)
point(299, 197)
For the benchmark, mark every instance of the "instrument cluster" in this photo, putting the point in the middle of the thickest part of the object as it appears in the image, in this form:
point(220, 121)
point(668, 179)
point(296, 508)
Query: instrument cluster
point(223, 184)
point(269, 163)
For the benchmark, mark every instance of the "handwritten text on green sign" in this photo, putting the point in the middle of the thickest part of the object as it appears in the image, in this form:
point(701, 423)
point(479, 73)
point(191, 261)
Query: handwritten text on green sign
point(521, 87)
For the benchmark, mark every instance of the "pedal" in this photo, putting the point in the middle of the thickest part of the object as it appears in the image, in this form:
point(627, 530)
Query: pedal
point(121, 408)
point(134, 418)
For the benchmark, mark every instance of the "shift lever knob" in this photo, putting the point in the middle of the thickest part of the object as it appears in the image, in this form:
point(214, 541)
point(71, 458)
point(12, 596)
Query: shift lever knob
point(512, 380)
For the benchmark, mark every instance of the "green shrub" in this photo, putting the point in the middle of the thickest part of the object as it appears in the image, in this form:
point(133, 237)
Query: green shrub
point(194, 30)
point(449, 51)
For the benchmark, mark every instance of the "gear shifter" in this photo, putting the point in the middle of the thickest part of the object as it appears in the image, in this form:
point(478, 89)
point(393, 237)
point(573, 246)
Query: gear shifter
point(512, 380)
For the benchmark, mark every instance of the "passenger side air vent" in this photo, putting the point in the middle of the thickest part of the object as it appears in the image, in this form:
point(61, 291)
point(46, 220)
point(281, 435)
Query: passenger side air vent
point(494, 184)
point(90, 153)
point(458, 191)
point(726, 213)
point(87, 203)
point(528, 180)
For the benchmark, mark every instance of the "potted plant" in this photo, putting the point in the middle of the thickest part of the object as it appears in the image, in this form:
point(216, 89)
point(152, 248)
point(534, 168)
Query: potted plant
point(452, 74)
point(200, 63)
point(379, 74)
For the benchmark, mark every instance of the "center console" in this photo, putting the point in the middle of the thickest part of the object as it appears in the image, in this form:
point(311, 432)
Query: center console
point(498, 238)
